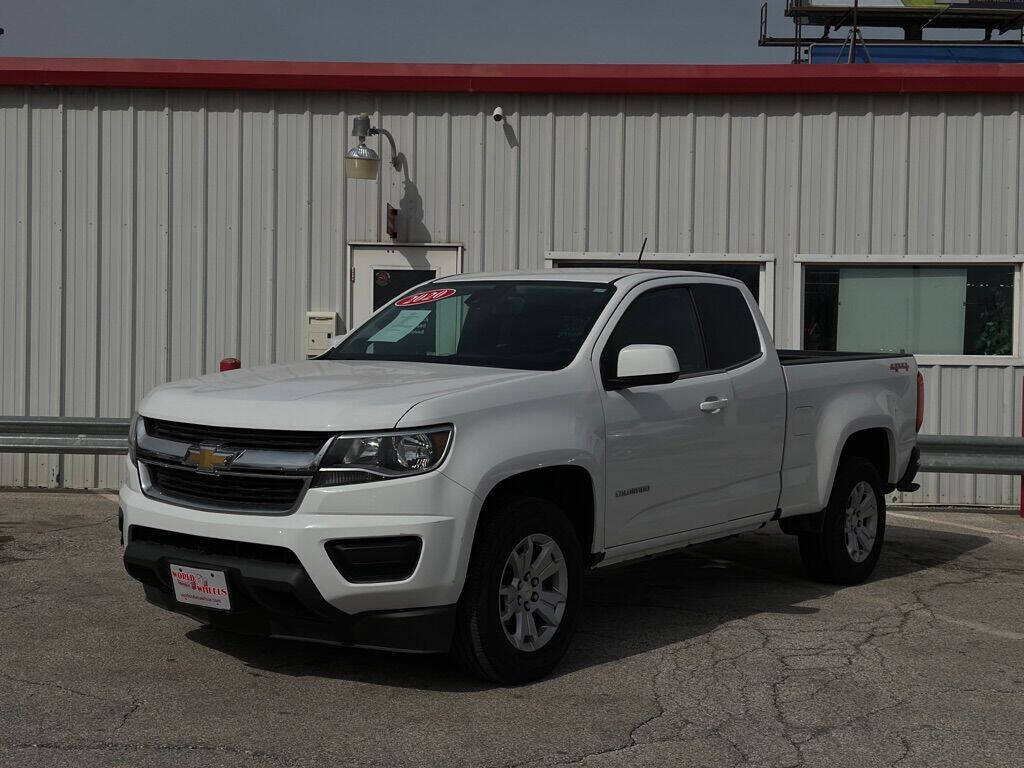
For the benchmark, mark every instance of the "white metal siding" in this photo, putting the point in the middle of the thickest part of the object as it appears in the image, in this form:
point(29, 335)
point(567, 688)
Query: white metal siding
point(147, 234)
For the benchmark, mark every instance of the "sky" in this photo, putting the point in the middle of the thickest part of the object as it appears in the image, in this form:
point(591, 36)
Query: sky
point(481, 31)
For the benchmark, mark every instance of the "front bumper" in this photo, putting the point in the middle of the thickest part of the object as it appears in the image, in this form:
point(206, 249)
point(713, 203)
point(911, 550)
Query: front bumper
point(412, 614)
point(276, 598)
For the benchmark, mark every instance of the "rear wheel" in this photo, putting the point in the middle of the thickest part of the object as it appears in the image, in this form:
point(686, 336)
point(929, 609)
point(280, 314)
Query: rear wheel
point(523, 592)
point(847, 548)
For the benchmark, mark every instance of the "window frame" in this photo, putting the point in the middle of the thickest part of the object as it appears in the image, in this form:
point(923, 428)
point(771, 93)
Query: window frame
point(764, 261)
point(801, 260)
point(655, 283)
point(628, 303)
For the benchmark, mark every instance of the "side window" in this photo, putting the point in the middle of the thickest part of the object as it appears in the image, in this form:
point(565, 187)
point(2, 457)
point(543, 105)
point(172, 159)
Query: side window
point(728, 327)
point(661, 316)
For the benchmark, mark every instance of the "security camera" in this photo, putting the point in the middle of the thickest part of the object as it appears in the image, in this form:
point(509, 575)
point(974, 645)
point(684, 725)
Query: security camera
point(498, 114)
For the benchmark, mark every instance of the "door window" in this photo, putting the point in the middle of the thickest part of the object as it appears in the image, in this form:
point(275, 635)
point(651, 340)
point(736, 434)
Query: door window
point(728, 326)
point(661, 316)
point(389, 284)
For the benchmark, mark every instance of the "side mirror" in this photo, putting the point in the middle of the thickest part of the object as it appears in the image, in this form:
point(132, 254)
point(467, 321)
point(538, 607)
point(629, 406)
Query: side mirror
point(644, 364)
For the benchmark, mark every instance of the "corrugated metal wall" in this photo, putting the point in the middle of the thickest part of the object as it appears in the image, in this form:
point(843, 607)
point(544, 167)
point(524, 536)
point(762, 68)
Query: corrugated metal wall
point(147, 234)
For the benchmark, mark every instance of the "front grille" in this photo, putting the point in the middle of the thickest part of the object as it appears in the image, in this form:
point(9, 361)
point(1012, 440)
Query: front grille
point(273, 439)
point(201, 545)
point(226, 491)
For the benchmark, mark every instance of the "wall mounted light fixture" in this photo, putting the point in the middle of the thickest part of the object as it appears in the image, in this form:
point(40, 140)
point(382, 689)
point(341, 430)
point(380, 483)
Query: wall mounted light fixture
point(362, 162)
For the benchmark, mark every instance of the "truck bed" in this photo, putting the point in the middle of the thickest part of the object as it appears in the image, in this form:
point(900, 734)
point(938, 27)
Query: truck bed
point(827, 403)
point(810, 357)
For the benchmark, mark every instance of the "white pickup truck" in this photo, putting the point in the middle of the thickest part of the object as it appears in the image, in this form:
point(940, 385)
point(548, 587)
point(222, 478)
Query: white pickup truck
point(442, 478)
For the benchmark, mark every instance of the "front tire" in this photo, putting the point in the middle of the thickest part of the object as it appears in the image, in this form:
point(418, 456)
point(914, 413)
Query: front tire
point(523, 592)
point(847, 548)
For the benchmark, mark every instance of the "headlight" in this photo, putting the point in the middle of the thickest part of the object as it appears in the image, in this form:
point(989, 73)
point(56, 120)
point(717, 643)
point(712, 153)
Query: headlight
point(368, 458)
point(131, 438)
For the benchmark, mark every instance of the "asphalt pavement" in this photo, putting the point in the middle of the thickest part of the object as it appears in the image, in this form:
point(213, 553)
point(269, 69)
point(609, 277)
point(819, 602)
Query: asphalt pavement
point(722, 655)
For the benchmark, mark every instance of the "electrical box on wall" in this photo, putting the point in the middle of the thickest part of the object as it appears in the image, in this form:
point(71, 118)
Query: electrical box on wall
point(321, 328)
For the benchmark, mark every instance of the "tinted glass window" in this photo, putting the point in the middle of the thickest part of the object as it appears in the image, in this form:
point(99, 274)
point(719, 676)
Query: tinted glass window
point(921, 309)
point(662, 316)
point(727, 324)
point(529, 324)
point(389, 284)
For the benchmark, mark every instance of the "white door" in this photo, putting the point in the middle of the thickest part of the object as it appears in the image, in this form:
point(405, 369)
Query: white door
point(382, 272)
point(675, 462)
point(667, 460)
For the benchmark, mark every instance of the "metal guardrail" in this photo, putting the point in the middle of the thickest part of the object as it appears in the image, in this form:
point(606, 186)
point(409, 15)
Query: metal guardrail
point(71, 434)
point(972, 455)
point(63, 434)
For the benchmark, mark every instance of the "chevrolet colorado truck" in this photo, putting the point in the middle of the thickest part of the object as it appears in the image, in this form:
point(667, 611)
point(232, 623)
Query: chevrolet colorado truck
point(442, 478)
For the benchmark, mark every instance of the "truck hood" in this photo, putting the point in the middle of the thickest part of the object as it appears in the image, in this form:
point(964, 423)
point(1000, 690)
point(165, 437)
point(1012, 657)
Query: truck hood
point(315, 394)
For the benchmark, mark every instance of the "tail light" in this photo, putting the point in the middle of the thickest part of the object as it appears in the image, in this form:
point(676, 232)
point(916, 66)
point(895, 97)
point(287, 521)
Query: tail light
point(920, 402)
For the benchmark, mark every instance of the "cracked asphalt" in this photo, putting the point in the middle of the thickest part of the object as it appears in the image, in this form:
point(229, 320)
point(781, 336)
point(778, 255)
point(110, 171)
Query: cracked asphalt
point(722, 655)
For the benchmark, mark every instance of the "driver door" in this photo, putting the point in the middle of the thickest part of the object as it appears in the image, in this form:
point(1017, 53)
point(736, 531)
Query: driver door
point(668, 460)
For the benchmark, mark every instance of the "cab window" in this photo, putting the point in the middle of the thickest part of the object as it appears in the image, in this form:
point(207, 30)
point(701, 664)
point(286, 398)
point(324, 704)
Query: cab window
point(729, 330)
point(661, 316)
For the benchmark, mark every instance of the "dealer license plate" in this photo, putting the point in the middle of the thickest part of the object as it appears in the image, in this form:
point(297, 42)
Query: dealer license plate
point(198, 586)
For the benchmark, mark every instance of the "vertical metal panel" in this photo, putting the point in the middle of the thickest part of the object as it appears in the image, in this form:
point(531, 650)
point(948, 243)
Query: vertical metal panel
point(45, 270)
point(605, 178)
point(963, 183)
point(889, 177)
point(147, 234)
point(1000, 145)
point(783, 165)
point(327, 205)
point(501, 190)
point(468, 145)
point(187, 239)
point(81, 324)
point(118, 320)
point(222, 334)
point(14, 265)
point(676, 178)
point(154, 172)
point(259, 228)
point(927, 171)
point(642, 171)
point(818, 188)
point(364, 210)
point(537, 181)
point(747, 169)
point(712, 163)
point(572, 152)
point(292, 250)
point(854, 173)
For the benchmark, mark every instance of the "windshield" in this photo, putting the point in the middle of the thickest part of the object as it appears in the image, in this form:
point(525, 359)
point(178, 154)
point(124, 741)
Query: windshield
point(529, 324)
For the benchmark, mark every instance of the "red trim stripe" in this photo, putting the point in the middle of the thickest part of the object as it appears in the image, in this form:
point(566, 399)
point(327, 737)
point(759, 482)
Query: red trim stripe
point(514, 78)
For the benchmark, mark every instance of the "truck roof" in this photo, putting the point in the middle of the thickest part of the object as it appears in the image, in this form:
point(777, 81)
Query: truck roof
point(578, 275)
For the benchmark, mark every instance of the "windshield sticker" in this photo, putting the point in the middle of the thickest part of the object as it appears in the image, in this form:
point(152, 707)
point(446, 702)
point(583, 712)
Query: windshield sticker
point(427, 297)
point(407, 321)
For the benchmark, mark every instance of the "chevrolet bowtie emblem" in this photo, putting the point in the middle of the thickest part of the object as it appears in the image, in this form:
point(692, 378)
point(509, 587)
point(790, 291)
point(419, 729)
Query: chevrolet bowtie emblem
point(208, 458)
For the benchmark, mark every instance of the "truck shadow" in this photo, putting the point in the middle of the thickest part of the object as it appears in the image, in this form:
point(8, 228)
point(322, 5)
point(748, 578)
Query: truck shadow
point(628, 610)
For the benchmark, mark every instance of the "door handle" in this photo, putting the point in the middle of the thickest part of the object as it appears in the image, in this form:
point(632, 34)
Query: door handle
point(714, 404)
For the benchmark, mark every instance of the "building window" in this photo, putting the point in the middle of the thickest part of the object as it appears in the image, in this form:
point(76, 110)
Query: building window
point(926, 310)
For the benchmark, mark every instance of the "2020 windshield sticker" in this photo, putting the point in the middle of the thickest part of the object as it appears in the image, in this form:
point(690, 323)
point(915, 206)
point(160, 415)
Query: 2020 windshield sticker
point(426, 297)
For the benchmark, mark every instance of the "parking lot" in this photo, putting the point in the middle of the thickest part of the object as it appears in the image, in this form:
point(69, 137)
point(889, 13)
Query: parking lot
point(723, 655)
